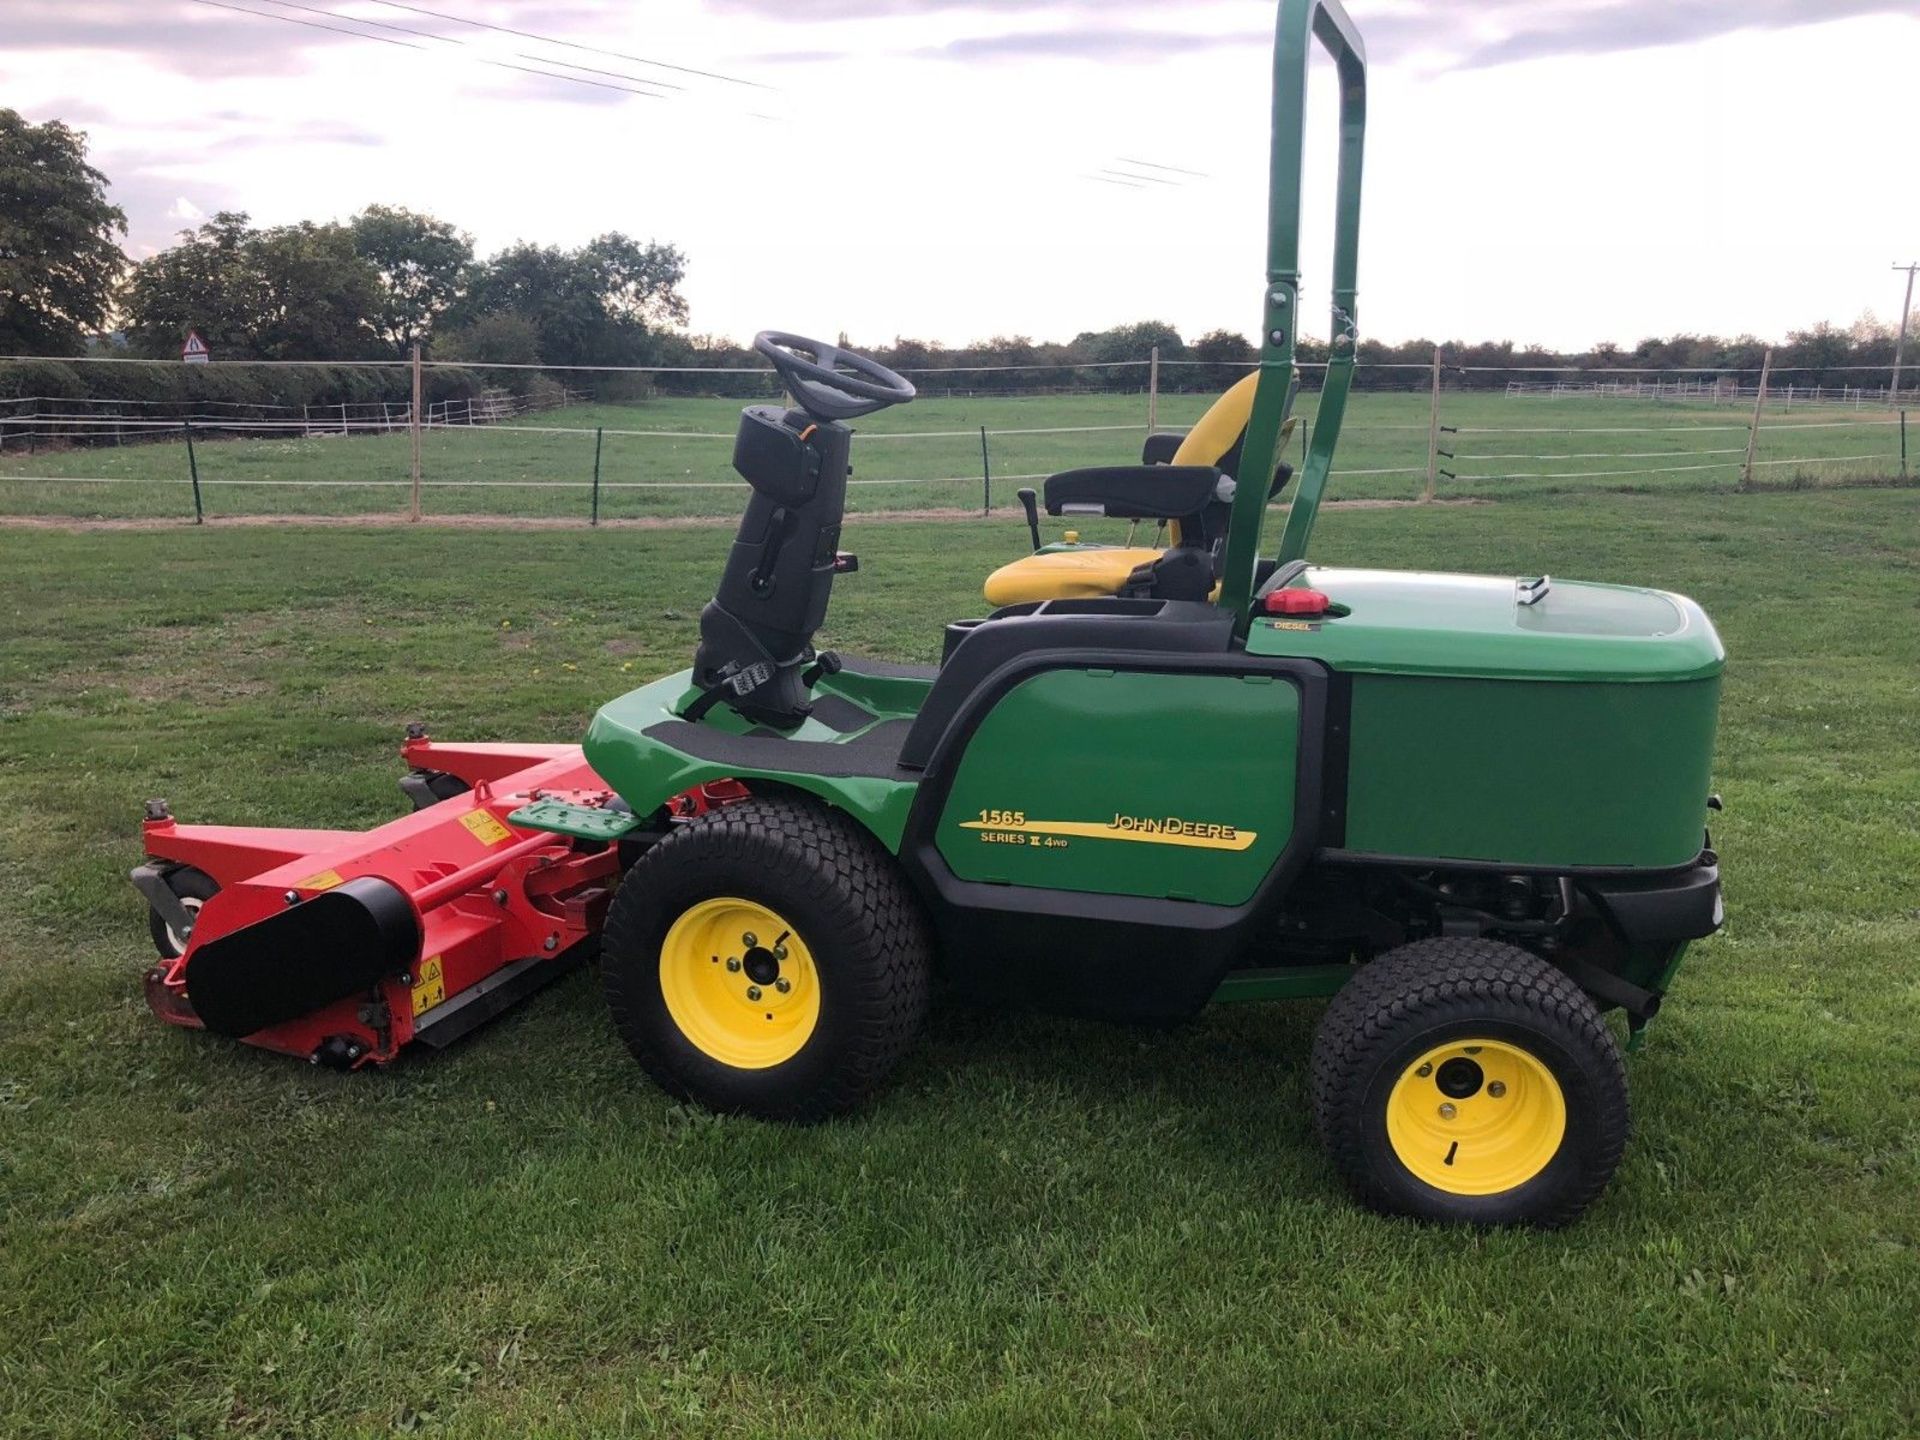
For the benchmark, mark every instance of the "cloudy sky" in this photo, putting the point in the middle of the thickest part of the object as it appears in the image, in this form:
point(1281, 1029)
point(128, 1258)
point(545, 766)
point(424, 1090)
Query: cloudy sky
point(1560, 171)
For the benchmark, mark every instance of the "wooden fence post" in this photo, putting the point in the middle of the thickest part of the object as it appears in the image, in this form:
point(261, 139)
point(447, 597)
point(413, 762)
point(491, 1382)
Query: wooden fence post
point(599, 433)
point(1153, 390)
point(1753, 430)
point(193, 472)
point(986, 476)
point(413, 424)
point(1433, 431)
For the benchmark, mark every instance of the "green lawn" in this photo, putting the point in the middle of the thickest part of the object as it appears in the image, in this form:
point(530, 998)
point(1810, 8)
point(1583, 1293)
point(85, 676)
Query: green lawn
point(1505, 446)
point(1046, 1227)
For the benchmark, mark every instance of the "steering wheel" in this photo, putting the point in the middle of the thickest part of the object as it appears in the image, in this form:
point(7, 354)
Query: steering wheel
point(831, 383)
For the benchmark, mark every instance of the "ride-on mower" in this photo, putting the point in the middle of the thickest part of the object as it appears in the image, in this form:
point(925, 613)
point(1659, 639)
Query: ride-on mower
point(1469, 809)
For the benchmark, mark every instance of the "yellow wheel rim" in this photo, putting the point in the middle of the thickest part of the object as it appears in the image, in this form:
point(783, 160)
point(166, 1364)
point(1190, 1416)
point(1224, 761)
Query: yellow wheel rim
point(1476, 1117)
point(739, 983)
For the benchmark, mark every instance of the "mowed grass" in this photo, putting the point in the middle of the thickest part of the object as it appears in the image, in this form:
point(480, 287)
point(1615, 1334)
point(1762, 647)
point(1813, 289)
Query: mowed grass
point(1045, 1227)
point(928, 455)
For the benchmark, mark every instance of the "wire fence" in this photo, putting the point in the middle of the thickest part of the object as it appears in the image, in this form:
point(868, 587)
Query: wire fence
point(553, 452)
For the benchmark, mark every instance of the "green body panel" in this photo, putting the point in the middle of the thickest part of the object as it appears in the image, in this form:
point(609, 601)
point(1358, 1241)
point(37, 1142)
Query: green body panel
point(1530, 772)
point(1128, 784)
point(1576, 730)
point(1417, 623)
point(647, 772)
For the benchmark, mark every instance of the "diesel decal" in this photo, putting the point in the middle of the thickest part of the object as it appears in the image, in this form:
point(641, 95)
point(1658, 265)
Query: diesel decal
point(1004, 829)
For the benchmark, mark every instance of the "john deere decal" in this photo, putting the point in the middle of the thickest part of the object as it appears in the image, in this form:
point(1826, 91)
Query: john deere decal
point(1012, 827)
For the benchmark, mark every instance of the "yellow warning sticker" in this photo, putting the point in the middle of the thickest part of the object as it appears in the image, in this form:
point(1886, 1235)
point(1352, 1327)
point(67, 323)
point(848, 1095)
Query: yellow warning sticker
point(325, 880)
point(429, 987)
point(486, 829)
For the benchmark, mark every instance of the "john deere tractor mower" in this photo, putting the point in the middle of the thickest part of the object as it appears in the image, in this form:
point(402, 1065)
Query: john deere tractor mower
point(1470, 809)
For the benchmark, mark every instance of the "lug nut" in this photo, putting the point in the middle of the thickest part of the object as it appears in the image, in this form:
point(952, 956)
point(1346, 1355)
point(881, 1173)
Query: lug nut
point(1447, 1110)
point(779, 952)
point(733, 963)
point(1497, 1089)
point(783, 985)
point(749, 940)
point(1424, 1071)
point(753, 992)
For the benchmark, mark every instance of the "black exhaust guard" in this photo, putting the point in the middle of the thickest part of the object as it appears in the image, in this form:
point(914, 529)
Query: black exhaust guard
point(324, 949)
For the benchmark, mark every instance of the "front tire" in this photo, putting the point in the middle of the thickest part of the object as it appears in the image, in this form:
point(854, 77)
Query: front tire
point(767, 959)
point(1469, 1081)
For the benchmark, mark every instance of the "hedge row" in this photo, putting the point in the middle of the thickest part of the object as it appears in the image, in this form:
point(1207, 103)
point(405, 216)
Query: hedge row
point(182, 385)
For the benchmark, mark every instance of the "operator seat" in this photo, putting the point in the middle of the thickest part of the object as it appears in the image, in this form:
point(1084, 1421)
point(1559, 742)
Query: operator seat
point(1184, 569)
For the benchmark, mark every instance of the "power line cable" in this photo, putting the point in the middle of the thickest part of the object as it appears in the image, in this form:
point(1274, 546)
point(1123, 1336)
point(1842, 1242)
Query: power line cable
point(357, 20)
point(384, 40)
point(1149, 165)
point(310, 24)
point(572, 44)
point(610, 74)
point(1150, 179)
point(575, 79)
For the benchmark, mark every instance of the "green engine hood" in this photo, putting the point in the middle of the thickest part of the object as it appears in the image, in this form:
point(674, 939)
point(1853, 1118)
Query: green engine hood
point(1426, 623)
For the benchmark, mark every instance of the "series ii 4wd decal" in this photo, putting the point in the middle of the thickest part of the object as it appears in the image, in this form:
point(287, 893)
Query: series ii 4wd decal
point(1012, 827)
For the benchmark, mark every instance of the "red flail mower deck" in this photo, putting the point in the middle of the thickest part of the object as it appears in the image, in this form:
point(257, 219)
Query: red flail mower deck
point(343, 946)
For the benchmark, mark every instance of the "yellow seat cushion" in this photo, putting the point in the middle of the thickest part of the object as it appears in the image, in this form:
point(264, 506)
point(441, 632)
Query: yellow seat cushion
point(1066, 574)
point(1092, 573)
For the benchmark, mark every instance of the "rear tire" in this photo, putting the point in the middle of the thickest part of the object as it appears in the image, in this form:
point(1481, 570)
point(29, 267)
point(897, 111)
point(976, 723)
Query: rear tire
point(1468, 1081)
point(797, 1024)
point(195, 888)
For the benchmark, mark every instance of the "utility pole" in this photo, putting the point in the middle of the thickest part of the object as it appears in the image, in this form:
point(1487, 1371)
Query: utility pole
point(1900, 346)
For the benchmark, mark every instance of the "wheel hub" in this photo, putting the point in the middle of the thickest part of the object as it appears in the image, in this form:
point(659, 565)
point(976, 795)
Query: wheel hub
point(762, 965)
point(1459, 1077)
point(1476, 1117)
point(736, 1000)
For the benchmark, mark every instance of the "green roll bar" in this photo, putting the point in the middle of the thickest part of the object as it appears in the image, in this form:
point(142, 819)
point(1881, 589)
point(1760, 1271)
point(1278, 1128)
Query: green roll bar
point(1301, 22)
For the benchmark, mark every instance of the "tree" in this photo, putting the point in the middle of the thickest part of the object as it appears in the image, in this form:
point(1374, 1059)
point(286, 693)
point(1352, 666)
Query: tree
point(422, 265)
point(599, 305)
point(205, 283)
point(504, 338)
point(295, 292)
point(1131, 342)
point(638, 282)
point(60, 258)
point(1225, 356)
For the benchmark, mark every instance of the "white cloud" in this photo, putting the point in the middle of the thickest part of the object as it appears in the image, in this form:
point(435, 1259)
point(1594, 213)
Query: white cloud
point(184, 209)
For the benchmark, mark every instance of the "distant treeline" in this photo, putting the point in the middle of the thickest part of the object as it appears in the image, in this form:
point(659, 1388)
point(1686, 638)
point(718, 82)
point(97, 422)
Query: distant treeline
point(1115, 359)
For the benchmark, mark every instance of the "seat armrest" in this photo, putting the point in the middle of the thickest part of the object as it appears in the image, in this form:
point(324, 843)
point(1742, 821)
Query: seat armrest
point(1137, 492)
point(1162, 446)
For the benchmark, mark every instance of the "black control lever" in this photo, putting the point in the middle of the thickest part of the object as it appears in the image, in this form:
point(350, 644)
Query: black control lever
point(1030, 502)
point(825, 663)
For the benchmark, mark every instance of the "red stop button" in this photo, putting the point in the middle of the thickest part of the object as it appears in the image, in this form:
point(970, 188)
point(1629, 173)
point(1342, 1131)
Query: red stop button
point(1292, 601)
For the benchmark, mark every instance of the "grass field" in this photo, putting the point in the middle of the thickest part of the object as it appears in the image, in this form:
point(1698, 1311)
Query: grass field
point(1046, 1227)
point(1532, 445)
